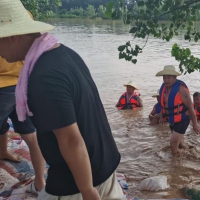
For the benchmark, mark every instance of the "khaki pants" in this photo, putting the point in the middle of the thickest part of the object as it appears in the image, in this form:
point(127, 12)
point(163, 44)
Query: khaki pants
point(109, 190)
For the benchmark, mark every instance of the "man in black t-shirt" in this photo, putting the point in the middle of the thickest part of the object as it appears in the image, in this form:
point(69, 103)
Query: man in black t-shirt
point(72, 128)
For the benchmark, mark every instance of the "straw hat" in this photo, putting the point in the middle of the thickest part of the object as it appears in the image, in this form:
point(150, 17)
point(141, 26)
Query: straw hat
point(15, 20)
point(131, 83)
point(157, 94)
point(168, 70)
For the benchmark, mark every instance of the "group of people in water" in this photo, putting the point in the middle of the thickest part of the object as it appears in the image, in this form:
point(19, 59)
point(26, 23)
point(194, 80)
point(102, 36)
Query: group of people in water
point(174, 105)
point(45, 88)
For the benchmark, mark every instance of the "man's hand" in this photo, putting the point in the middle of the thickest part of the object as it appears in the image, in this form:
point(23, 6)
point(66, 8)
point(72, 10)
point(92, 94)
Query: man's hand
point(157, 116)
point(91, 194)
point(196, 128)
point(161, 121)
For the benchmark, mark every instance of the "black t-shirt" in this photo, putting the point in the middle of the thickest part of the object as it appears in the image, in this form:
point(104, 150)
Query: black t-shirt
point(61, 92)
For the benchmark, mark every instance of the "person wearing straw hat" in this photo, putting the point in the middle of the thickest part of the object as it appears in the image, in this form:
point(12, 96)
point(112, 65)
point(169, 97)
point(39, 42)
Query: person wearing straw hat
point(129, 99)
point(175, 102)
point(9, 73)
point(56, 90)
point(154, 116)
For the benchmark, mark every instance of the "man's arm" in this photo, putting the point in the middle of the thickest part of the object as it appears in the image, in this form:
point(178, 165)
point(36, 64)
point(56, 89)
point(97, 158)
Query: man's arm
point(140, 101)
point(185, 97)
point(153, 112)
point(118, 103)
point(73, 150)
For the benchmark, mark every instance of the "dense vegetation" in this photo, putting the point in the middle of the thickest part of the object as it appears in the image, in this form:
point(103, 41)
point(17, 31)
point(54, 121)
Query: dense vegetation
point(145, 15)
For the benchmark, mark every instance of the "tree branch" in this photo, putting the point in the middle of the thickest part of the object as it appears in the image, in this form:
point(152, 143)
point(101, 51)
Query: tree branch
point(178, 8)
point(145, 41)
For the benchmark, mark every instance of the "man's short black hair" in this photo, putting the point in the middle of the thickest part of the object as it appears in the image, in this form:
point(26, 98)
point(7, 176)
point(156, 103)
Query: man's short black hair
point(196, 94)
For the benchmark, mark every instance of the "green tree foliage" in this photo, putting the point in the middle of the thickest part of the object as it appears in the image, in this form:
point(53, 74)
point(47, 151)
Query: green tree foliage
point(41, 9)
point(89, 12)
point(145, 16)
point(68, 4)
point(101, 11)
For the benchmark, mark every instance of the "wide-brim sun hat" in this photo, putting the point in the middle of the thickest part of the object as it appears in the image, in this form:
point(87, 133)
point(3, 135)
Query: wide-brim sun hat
point(156, 95)
point(15, 20)
point(131, 83)
point(168, 70)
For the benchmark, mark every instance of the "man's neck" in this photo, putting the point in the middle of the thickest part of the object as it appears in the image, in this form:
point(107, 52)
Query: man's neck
point(169, 87)
point(130, 94)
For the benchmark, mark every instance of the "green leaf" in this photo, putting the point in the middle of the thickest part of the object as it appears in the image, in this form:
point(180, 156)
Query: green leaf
point(110, 5)
point(128, 58)
point(171, 25)
point(121, 48)
point(191, 23)
point(128, 44)
point(127, 50)
point(188, 52)
point(133, 30)
point(196, 39)
point(134, 52)
point(175, 46)
point(134, 61)
point(173, 52)
point(122, 55)
point(109, 9)
point(108, 14)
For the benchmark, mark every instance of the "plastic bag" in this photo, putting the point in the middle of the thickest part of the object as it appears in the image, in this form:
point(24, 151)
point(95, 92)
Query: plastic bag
point(155, 183)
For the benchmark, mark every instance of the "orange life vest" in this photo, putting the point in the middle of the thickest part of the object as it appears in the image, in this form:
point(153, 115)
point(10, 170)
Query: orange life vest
point(132, 102)
point(175, 111)
point(197, 111)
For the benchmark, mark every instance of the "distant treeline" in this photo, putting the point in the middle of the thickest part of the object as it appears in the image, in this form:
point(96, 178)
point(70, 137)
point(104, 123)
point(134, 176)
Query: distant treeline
point(97, 8)
point(89, 12)
point(68, 4)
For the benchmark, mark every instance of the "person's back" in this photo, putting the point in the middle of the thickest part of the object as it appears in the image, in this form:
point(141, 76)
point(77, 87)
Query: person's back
point(61, 92)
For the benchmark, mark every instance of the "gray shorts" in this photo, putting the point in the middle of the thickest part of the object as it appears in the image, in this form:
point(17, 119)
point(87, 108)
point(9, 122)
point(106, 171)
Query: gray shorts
point(7, 110)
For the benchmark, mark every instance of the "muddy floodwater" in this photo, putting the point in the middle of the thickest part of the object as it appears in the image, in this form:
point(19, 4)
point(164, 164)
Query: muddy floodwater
point(143, 148)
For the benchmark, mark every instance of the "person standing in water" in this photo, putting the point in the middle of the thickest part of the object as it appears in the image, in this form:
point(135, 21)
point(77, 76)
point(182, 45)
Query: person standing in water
point(130, 99)
point(196, 101)
point(154, 116)
point(56, 89)
point(175, 102)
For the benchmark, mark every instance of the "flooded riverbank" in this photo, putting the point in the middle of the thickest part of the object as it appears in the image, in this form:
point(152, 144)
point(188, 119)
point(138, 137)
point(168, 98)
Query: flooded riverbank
point(140, 145)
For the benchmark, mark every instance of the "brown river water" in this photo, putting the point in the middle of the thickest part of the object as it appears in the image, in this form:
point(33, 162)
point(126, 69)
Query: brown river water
point(141, 146)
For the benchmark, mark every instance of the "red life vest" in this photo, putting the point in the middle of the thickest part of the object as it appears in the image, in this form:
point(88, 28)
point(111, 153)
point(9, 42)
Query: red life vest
point(197, 111)
point(124, 103)
point(175, 111)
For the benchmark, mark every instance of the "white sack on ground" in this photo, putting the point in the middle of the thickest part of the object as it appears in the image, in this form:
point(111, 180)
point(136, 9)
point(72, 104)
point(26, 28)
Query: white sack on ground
point(155, 183)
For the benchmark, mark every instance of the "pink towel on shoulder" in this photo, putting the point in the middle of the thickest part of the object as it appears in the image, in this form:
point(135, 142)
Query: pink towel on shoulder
point(42, 44)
